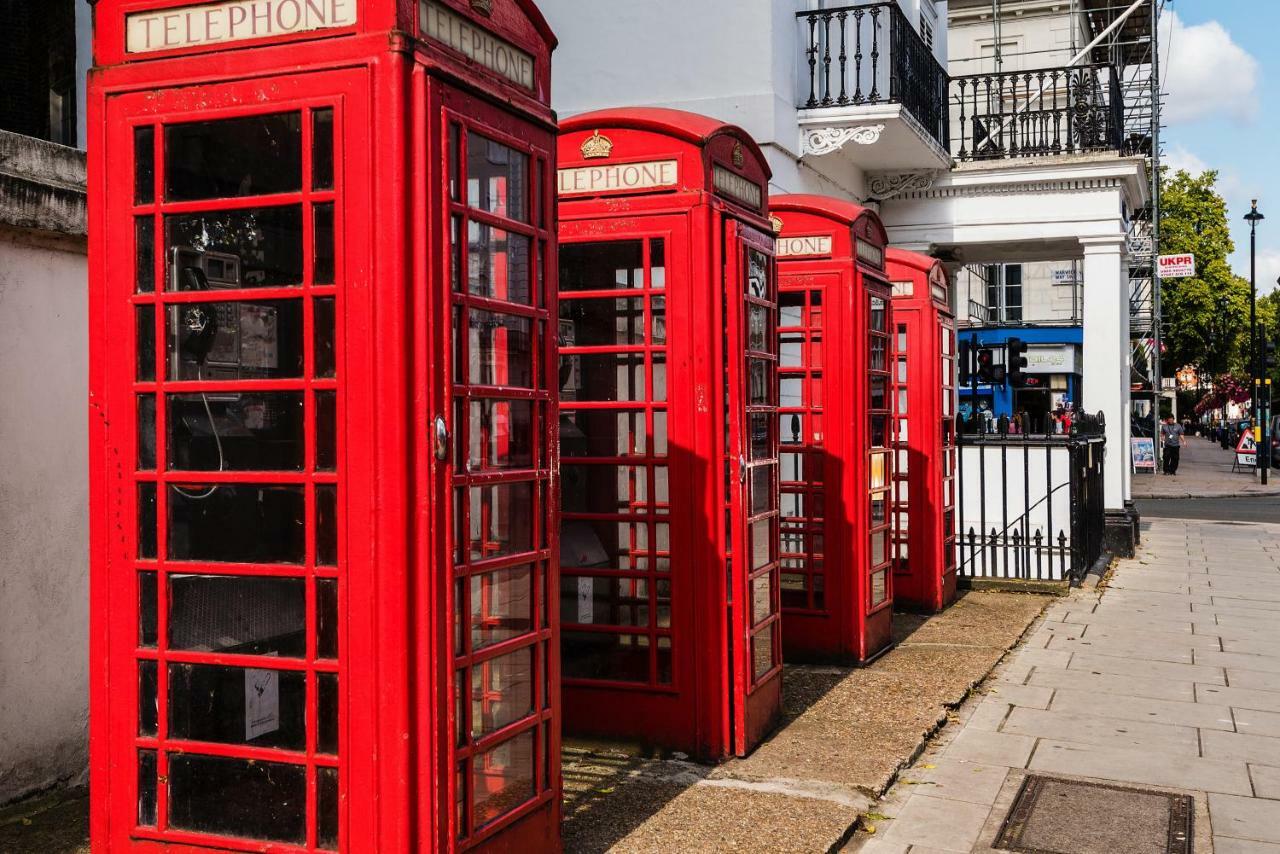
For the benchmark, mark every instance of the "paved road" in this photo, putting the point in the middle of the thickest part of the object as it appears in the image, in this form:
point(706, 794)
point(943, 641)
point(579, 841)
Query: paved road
point(1262, 508)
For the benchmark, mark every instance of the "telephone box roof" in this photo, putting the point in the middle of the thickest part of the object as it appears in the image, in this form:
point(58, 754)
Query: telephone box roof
point(915, 260)
point(838, 210)
point(680, 124)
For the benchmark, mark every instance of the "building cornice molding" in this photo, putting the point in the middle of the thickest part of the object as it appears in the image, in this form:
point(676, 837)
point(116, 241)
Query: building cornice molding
point(888, 185)
point(1128, 175)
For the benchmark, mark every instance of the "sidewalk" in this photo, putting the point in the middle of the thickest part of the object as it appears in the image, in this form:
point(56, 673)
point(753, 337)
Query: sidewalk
point(1168, 679)
point(1204, 472)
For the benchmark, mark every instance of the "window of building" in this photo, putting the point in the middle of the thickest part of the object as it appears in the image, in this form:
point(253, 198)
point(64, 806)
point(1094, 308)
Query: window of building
point(37, 69)
point(1004, 292)
point(926, 29)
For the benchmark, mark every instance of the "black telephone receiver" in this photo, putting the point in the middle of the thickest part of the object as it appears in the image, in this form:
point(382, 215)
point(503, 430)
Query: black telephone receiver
point(198, 322)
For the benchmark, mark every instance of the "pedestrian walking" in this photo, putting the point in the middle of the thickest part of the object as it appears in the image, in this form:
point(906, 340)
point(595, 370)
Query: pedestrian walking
point(1171, 433)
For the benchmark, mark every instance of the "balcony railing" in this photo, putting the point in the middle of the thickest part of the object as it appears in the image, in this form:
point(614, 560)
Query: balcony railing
point(1036, 113)
point(870, 55)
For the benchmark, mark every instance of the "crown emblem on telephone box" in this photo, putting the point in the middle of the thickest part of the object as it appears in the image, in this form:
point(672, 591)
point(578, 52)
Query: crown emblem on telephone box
point(738, 159)
point(484, 7)
point(597, 146)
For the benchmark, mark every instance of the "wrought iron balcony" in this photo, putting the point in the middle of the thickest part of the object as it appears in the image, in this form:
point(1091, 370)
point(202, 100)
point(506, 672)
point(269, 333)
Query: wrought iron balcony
point(870, 55)
point(1036, 113)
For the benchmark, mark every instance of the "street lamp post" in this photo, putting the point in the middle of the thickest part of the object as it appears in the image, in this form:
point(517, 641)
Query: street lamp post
point(1253, 218)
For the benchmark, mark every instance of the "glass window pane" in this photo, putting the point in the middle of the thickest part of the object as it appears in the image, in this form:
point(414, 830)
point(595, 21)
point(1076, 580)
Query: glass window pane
point(598, 488)
point(325, 344)
point(144, 235)
point(603, 377)
point(762, 543)
point(238, 705)
point(497, 263)
point(501, 691)
point(145, 326)
point(501, 434)
point(757, 274)
point(217, 341)
point(500, 350)
point(245, 156)
point(877, 314)
point(497, 178)
point(246, 248)
point(791, 391)
point(238, 797)
point(147, 788)
point(146, 432)
point(604, 544)
point(657, 262)
point(606, 656)
point(501, 520)
point(761, 602)
point(503, 778)
point(327, 808)
point(322, 149)
point(243, 615)
point(148, 702)
point(240, 431)
point(148, 634)
point(144, 165)
point(327, 715)
point(147, 521)
point(604, 600)
point(758, 328)
point(602, 322)
point(762, 494)
point(324, 256)
point(614, 265)
point(762, 652)
point(501, 605)
point(242, 523)
point(326, 525)
point(326, 430)
point(604, 433)
point(326, 618)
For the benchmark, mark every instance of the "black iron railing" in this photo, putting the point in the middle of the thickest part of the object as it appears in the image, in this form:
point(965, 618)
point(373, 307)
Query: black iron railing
point(1040, 511)
point(870, 54)
point(1036, 113)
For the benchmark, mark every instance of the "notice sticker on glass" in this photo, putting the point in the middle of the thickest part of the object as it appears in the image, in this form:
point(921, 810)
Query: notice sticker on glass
point(261, 702)
point(586, 610)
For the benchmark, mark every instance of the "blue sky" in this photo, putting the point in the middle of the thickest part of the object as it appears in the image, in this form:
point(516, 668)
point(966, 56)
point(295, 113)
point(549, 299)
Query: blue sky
point(1220, 72)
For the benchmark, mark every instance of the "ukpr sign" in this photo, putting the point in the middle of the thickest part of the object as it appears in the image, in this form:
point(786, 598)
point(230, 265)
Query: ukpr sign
point(185, 27)
point(1177, 266)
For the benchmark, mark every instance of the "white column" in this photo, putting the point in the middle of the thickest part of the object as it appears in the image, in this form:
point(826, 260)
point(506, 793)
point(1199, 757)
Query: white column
point(1106, 355)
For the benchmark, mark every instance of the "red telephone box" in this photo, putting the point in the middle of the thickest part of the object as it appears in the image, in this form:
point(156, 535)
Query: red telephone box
point(924, 567)
point(836, 430)
point(669, 513)
point(323, 436)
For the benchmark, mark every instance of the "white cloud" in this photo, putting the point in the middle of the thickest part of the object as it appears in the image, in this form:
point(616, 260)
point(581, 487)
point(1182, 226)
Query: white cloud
point(1268, 270)
point(1179, 157)
point(1206, 73)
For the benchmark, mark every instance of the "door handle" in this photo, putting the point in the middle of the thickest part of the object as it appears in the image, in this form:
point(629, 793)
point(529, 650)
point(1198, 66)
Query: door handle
point(441, 439)
point(742, 469)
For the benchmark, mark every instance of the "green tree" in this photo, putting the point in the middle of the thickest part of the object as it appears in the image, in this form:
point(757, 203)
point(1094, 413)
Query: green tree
point(1206, 318)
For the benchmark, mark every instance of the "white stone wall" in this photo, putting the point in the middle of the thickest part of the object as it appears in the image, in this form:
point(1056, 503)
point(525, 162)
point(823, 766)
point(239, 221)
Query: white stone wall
point(1033, 34)
point(44, 592)
point(1045, 298)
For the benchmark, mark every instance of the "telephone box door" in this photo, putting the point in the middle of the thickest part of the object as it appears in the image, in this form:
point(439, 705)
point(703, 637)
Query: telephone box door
point(226, 581)
point(492, 433)
point(751, 309)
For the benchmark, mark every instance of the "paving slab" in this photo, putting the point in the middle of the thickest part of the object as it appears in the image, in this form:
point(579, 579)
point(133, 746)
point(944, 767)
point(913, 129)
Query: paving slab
point(1201, 715)
point(1255, 819)
point(1094, 663)
point(1246, 747)
point(1242, 698)
point(1257, 723)
point(941, 823)
point(1108, 683)
point(1103, 732)
point(1266, 781)
point(1142, 767)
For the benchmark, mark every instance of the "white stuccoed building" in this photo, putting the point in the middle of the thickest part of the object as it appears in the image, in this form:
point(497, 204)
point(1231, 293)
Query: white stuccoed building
point(975, 135)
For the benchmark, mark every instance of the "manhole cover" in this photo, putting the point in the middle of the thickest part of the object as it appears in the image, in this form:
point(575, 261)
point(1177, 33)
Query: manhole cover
point(1052, 816)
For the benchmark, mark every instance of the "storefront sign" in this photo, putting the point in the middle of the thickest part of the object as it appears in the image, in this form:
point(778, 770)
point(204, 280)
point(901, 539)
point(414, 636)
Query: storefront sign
point(798, 247)
point(736, 187)
point(1177, 266)
point(239, 20)
point(650, 175)
point(453, 30)
point(1059, 359)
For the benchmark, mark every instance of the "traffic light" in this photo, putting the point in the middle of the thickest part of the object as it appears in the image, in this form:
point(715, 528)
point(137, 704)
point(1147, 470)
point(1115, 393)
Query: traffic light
point(965, 364)
point(1016, 361)
point(1269, 355)
point(986, 366)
